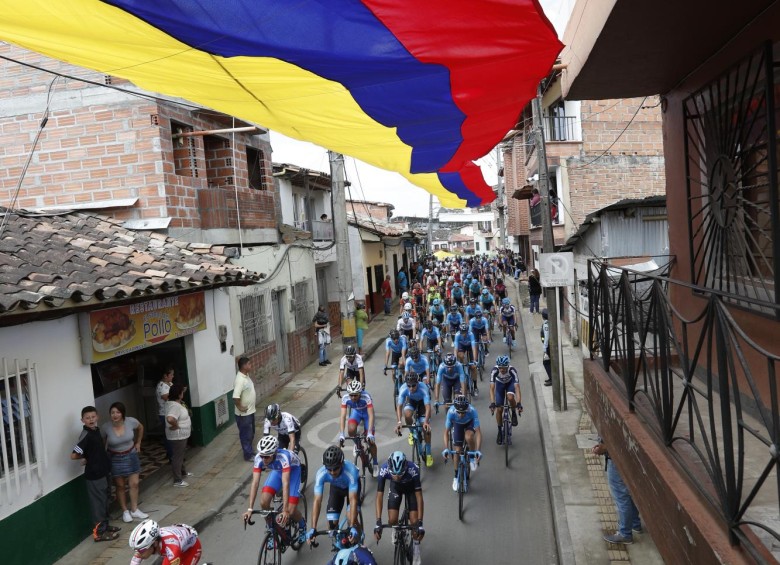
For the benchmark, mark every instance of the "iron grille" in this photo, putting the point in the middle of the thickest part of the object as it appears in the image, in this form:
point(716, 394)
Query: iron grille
point(254, 321)
point(731, 170)
point(302, 303)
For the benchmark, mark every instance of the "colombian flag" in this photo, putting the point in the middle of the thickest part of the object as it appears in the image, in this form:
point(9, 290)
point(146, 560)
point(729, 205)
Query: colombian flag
point(421, 87)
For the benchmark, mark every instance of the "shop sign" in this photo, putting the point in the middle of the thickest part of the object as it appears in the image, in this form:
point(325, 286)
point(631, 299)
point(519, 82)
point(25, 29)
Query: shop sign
point(109, 333)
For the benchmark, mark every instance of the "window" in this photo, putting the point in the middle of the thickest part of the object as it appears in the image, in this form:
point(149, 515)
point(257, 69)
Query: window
point(476, 245)
point(302, 304)
point(184, 158)
point(17, 449)
point(255, 164)
point(255, 325)
point(487, 246)
point(731, 170)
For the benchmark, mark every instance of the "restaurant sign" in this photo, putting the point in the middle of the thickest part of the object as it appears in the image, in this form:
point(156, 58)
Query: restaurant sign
point(109, 333)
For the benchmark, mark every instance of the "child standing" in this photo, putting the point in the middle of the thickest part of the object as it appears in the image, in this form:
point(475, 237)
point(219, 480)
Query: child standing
point(97, 472)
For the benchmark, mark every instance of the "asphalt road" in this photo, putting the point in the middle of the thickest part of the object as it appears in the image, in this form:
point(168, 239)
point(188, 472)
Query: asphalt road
point(507, 515)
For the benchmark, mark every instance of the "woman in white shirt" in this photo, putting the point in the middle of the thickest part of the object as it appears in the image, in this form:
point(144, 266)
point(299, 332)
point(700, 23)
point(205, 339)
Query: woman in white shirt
point(178, 427)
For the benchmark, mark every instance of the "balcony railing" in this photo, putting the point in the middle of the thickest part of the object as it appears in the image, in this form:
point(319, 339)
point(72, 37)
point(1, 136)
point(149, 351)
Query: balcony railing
point(536, 215)
point(322, 231)
point(561, 128)
point(702, 383)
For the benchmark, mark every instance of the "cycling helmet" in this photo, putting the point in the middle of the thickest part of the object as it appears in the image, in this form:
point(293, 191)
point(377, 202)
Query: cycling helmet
point(450, 278)
point(144, 535)
point(499, 281)
point(506, 302)
point(473, 300)
point(355, 387)
point(436, 301)
point(417, 285)
point(350, 351)
point(396, 463)
point(450, 360)
point(406, 315)
point(333, 457)
point(502, 361)
point(414, 353)
point(405, 296)
point(485, 291)
point(272, 412)
point(267, 446)
point(436, 323)
point(478, 312)
point(428, 324)
point(427, 271)
point(412, 378)
point(464, 327)
point(394, 334)
point(544, 313)
point(454, 308)
point(461, 403)
point(408, 307)
point(455, 284)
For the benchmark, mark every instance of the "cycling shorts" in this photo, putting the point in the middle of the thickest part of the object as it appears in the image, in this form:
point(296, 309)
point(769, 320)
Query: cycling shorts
point(459, 432)
point(509, 320)
point(273, 483)
point(502, 388)
point(415, 406)
point(479, 332)
point(397, 493)
point(358, 416)
point(439, 317)
point(449, 388)
point(284, 439)
point(336, 499)
point(394, 357)
point(458, 300)
point(408, 333)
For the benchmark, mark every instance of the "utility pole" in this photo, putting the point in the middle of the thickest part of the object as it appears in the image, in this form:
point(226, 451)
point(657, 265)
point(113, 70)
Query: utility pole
point(430, 225)
point(343, 256)
point(548, 240)
point(501, 201)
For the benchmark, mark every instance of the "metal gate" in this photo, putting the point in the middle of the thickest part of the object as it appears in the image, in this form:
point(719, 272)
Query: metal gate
point(280, 333)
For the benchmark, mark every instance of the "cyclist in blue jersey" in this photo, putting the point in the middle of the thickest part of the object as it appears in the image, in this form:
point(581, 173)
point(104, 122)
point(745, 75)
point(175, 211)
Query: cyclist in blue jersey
point(463, 420)
point(474, 287)
point(403, 478)
point(508, 320)
point(285, 468)
point(465, 348)
point(360, 406)
point(480, 328)
point(437, 310)
point(450, 378)
point(414, 405)
point(457, 295)
point(454, 320)
point(417, 363)
point(487, 301)
point(430, 336)
point(471, 309)
point(395, 350)
point(344, 479)
point(504, 381)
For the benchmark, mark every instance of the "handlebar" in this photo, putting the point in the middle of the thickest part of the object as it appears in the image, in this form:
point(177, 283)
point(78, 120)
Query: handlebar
point(261, 512)
point(437, 404)
point(329, 533)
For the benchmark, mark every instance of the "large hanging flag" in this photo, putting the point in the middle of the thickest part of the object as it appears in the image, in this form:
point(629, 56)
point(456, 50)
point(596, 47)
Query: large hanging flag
point(421, 87)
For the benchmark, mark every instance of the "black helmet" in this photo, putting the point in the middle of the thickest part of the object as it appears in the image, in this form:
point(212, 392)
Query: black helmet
point(428, 324)
point(333, 457)
point(394, 334)
point(436, 323)
point(272, 412)
point(350, 351)
point(412, 378)
point(544, 313)
point(450, 360)
point(464, 327)
point(414, 353)
point(461, 403)
point(454, 308)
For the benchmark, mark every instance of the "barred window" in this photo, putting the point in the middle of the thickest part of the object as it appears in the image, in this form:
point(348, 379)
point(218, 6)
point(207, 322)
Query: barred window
point(302, 303)
point(254, 321)
point(17, 440)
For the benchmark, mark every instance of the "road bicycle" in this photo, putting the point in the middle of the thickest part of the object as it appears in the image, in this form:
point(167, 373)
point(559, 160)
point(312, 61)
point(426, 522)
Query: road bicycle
point(508, 332)
point(398, 377)
point(481, 359)
point(277, 538)
point(434, 359)
point(418, 444)
point(402, 540)
point(362, 455)
point(464, 474)
point(506, 426)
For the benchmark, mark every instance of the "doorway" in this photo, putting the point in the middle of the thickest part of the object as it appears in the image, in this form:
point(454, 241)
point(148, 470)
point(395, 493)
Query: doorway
point(395, 272)
point(280, 332)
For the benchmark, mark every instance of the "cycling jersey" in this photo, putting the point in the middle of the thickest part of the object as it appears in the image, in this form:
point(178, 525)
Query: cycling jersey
point(348, 479)
point(457, 292)
point(454, 320)
point(287, 425)
point(410, 476)
point(421, 394)
point(501, 290)
point(356, 364)
point(180, 545)
point(453, 373)
point(478, 326)
point(405, 325)
point(359, 555)
point(396, 346)
point(497, 376)
point(471, 310)
point(420, 366)
point(475, 288)
point(469, 418)
point(487, 302)
point(363, 403)
point(283, 461)
point(433, 336)
point(438, 312)
point(464, 341)
point(433, 296)
point(507, 312)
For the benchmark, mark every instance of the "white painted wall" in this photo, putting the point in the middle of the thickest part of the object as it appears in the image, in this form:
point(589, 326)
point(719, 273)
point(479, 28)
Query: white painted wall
point(356, 256)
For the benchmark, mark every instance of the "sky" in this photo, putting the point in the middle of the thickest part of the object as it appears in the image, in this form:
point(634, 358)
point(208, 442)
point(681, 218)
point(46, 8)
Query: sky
point(371, 183)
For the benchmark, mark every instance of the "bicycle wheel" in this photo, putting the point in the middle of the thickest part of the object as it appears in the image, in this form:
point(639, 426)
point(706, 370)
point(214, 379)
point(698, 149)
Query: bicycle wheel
point(270, 551)
point(461, 488)
point(357, 462)
point(304, 467)
point(507, 434)
point(294, 529)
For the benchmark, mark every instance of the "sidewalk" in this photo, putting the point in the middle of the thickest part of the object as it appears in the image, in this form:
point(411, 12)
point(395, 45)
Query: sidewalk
point(219, 470)
point(583, 510)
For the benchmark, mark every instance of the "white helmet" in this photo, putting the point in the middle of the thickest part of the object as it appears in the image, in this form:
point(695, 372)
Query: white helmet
point(408, 307)
point(354, 387)
point(405, 296)
point(267, 445)
point(144, 535)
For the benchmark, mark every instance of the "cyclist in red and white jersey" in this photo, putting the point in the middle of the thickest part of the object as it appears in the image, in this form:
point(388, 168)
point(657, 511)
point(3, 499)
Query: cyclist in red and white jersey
point(178, 544)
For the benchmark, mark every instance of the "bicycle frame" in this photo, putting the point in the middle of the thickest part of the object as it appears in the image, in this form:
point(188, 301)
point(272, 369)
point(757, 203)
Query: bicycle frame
point(361, 453)
point(418, 444)
point(464, 475)
point(402, 555)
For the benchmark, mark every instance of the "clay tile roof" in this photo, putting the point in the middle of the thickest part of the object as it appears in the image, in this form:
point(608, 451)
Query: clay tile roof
point(59, 262)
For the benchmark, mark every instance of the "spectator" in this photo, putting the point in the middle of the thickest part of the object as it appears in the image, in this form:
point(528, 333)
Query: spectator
point(162, 397)
point(324, 218)
point(627, 512)
point(177, 431)
point(387, 294)
point(545, 335)
point(534, 290)
point(123, 440)
point(403, 281)
point(361, 324)
point(244, 398)
point(536, 198)
point(322, 331)
point(97, 470)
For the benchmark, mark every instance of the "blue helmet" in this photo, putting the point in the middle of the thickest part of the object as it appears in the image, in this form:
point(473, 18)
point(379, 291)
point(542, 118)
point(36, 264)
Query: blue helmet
point(502, 361)
point(396, 463)
point(506, 302)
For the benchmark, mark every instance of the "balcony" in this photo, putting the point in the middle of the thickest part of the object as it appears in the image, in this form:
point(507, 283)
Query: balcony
point(561, 128)
point(700, 377)
point(322, 231)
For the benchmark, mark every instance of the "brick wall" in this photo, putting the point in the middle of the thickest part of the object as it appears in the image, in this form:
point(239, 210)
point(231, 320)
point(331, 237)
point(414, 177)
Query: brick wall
point(334, 316)
point(302, 348)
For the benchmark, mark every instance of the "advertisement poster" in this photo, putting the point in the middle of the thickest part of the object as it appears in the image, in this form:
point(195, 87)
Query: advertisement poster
point(124, 329)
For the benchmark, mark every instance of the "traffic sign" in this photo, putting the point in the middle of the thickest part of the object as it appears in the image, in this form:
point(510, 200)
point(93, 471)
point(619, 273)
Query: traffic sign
point(556, 269)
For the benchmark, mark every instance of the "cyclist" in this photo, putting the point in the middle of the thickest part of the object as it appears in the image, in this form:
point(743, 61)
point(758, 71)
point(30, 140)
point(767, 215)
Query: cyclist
point(500, 289)
point(353, 555)
point(471, 309)
point(451, 378)
point(418, 293)
point(463, 420)
point(504, 381)
point(344, 479)
point(457, 294)
point(403, 477)
point(404, 301)
point(351, 367)
point(474, 287)
point(508, 313)
point(417, 363)
point(430, 335)
point(406, 325)
point(487, 302)
point(361, 409)
point(177, 544)
point(480, 328)
point(465, 348)
point(414, 406)
point(395, 351)
point(287, 426)
point(438, 311)
point(285, 468)
point(454, 320)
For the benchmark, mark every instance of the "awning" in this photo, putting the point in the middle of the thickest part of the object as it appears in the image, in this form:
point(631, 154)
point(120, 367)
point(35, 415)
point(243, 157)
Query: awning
point(525, 193)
